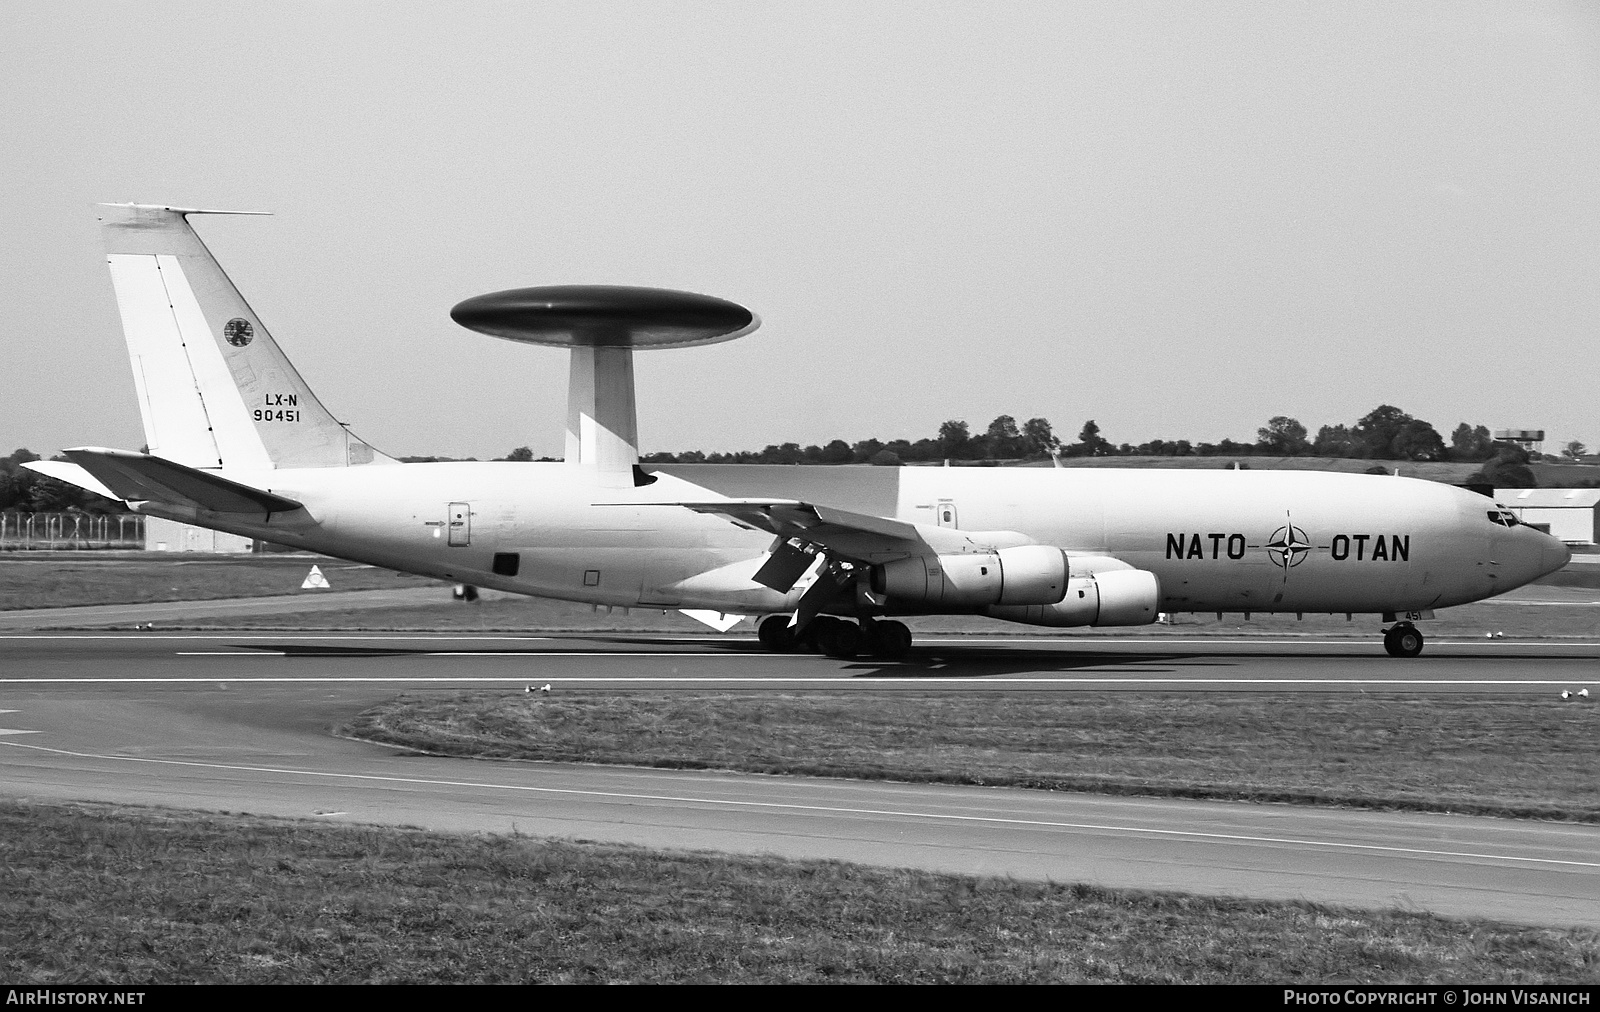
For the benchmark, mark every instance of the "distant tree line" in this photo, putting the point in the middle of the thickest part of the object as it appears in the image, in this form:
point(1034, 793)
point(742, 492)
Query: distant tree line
point(26, 491)
point(1004, 439)
point(1385, 433)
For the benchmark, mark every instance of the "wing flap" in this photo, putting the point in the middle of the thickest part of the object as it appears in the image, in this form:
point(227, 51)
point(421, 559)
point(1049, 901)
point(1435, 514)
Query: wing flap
point(854, 536)
point(139, 477)
point(783, 568)
point(842, 535)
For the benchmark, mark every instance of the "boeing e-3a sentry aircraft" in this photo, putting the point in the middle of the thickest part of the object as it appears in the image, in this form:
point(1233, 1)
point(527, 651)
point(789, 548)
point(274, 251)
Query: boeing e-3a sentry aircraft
point(237, 442)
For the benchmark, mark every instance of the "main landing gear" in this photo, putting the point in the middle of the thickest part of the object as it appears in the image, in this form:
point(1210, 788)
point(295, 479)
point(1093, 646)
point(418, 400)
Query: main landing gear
point(1402, 640)
point(837, 637)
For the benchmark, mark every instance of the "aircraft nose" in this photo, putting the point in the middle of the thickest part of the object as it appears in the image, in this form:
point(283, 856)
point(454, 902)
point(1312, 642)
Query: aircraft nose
point(1556, 555)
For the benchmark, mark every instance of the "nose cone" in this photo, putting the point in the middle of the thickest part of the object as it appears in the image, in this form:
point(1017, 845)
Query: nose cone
point(1556, 555)
point(1524, 554)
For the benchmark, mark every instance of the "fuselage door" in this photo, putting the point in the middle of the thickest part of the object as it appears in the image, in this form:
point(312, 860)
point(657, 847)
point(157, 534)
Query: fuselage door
point(945, 513)
point(460, 524)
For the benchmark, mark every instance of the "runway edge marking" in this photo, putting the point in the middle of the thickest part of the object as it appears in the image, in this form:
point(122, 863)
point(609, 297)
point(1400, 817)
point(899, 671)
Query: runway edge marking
point(841, 679)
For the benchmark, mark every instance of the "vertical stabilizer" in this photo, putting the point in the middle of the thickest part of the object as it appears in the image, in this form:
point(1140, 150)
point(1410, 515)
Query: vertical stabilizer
point(214, 388)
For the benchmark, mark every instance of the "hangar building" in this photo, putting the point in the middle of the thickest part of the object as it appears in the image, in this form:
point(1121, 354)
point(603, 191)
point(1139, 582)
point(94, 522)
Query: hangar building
point(1571, 514)
point(170, 536)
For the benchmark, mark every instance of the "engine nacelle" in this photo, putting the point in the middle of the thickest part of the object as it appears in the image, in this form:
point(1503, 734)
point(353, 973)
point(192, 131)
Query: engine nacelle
point(1117, 597)
point(1024, 575)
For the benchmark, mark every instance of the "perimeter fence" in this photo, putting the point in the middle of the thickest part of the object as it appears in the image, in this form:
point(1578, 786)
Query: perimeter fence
point(57, 532)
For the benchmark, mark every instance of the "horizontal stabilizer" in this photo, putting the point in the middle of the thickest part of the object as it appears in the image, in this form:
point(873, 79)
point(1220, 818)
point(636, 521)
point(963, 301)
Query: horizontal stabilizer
point(72, 474)
point(139, 477)
point(180, 210)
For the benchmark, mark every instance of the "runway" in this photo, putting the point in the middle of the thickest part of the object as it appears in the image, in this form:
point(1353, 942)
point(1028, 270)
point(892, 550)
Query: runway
point(240, 722)
point(940, 663)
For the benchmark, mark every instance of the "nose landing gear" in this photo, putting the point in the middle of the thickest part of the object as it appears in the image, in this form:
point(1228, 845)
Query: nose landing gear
point(1402, 640)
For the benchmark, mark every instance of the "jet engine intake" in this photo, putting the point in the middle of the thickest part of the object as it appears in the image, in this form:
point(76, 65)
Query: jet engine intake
point(1020, 576)
point(1116, 597)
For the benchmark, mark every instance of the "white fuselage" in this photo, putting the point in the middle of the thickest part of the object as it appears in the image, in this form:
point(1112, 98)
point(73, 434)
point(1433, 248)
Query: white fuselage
point(1222, 540)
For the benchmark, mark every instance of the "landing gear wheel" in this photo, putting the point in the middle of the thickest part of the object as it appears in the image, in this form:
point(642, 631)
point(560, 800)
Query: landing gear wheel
point(839, 638)
point(890, 640)
point(775, 635)
point(1403, 640)
point(818, 636)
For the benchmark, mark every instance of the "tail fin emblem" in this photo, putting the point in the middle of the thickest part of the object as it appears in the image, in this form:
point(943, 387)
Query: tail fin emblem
point(238, 332)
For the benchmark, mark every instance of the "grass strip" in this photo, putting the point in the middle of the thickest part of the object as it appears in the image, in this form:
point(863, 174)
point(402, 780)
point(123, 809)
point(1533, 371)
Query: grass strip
point(83, 578)
point(96, 893)
point(1492, 755)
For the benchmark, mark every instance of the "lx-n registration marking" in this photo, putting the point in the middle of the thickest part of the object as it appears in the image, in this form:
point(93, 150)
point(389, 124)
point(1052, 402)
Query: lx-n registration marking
point(279, 408)
point(1352, 547)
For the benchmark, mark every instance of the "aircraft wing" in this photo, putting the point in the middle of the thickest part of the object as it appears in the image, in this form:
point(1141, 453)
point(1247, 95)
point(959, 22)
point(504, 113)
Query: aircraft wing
point(855, 537)
point(806, 529)
point(803, 529)
point(139, 477)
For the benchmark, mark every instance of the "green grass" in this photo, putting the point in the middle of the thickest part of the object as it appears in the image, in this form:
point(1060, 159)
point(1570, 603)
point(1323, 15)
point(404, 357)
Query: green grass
point(66, 579)
point(1485, 755)
point(92, 893)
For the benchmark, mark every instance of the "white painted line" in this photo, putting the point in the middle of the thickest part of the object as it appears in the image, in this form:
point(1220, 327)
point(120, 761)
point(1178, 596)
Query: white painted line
point(270, 636)
point(13, 730)
point(1262, 640)
point(1545, 604)
point(613, 654)
point(1069, 640)
point(1067, 645)
point(833, 810)
point(844, 678)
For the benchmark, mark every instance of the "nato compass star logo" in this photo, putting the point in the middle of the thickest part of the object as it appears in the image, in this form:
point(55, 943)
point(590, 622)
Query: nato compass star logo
point(1288, 546)
point(238, 332)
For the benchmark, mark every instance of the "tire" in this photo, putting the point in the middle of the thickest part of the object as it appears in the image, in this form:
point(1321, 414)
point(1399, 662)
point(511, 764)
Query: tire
point(818, 637)
point(844, 640)
point(1407, 641)
point(774, 634)
point(890, 640)
point(1403, 641)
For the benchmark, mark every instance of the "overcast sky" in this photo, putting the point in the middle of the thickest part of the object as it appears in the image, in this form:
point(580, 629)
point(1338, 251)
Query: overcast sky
point(1176, 219)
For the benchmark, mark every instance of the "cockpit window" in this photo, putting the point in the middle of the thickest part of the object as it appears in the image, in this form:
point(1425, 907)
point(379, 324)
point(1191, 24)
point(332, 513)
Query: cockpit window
point(1503, 517)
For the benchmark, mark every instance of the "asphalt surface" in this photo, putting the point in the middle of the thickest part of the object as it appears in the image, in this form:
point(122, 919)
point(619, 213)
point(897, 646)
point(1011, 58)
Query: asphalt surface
point(241, 722)
point(963, 663)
